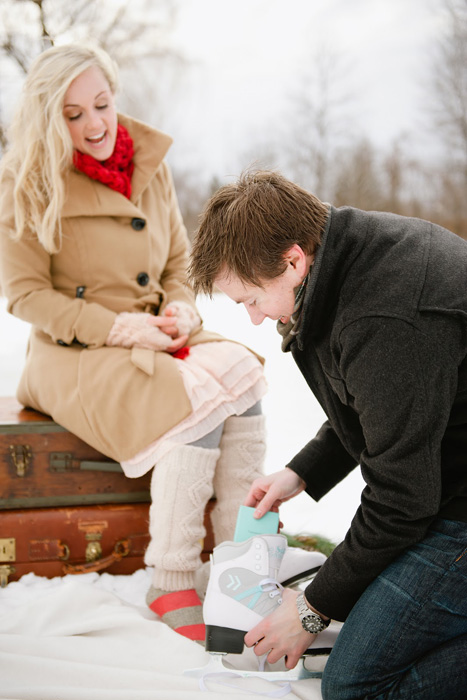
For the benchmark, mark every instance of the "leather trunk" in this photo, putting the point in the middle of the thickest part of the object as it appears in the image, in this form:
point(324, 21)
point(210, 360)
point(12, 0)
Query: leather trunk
point(65, 508)
point(43, 465)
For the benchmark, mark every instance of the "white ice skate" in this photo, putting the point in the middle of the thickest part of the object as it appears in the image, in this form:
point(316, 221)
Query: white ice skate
point(242, 589)
point(299, 565)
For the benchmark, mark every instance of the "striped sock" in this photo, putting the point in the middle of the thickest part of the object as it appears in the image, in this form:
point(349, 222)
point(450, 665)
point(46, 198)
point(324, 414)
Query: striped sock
point(180, 610)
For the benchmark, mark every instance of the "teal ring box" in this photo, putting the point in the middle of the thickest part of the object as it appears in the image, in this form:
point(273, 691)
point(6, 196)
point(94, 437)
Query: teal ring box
point(247, 526)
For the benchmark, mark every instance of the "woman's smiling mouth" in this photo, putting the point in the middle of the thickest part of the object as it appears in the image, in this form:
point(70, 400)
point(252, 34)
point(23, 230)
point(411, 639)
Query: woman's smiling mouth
point(96, 139)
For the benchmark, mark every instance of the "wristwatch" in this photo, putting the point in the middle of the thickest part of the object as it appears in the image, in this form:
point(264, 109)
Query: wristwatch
point(311, 621)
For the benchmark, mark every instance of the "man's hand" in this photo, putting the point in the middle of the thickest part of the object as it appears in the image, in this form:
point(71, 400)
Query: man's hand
point(269, 492)
point(281, 633)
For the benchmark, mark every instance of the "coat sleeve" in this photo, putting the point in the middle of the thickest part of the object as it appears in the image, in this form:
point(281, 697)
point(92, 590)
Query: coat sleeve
point(402, 384)
point(26, 282)
point(173, 278)
point(323, 462)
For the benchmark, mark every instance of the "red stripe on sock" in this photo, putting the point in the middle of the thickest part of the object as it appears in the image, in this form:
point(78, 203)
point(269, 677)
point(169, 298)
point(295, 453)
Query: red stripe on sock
point(175, 601)
point(194, 632)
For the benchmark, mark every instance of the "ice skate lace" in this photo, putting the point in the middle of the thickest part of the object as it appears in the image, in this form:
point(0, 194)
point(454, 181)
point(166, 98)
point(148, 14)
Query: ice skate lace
point(274, 589)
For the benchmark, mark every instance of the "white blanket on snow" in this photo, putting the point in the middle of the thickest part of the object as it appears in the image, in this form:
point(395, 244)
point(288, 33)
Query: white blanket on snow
point(92, 637)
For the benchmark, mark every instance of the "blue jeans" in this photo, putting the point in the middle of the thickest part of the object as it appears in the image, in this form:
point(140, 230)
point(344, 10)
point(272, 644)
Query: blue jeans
point(406, 637)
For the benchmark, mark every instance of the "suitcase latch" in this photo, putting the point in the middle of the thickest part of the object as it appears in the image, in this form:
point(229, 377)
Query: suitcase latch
point(5, 571)
point(21, 458)
point(8, 549)
point(93, 547)
point(7, 553)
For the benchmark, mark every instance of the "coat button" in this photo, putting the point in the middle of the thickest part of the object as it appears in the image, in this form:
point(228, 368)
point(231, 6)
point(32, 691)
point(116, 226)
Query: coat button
point(142, 278)
point(138, 224)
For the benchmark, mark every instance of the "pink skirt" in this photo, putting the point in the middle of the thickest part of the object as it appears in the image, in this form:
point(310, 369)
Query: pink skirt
point(222, 379)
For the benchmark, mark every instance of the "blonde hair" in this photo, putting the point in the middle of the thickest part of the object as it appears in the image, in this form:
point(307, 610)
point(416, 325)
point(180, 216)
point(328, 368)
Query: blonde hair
point(41, 150)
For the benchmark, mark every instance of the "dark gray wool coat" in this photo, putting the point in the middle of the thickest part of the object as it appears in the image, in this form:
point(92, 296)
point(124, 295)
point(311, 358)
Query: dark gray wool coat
point(382, 343)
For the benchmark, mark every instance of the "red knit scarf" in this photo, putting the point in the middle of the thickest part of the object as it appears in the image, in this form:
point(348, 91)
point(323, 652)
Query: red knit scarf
point(116, 171)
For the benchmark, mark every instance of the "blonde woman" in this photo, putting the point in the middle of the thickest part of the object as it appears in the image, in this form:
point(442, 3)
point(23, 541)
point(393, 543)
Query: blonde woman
point(93, 255)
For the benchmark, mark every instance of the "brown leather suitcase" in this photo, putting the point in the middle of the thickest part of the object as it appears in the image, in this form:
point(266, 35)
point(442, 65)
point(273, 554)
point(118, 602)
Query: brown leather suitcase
point(75, 540)
point(65, 508)
point(43, 465)
point(57, 541)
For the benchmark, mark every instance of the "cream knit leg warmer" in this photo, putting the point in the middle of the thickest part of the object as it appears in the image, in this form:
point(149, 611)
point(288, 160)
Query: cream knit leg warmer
point(243, 448)
point(182, 484)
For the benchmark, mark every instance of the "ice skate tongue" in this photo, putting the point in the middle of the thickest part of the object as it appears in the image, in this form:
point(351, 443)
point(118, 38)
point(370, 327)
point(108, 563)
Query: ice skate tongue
point(276, 550)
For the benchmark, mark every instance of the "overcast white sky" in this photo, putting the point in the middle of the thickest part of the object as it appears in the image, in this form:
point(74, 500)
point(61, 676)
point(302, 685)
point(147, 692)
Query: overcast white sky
point(249, 59)
point(251, 55)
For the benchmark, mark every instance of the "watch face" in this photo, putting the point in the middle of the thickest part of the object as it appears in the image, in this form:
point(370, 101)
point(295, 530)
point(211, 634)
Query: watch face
point(313, 623)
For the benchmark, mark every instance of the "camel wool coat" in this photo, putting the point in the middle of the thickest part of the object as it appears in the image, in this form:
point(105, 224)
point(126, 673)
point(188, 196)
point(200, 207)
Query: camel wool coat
point(117, 254)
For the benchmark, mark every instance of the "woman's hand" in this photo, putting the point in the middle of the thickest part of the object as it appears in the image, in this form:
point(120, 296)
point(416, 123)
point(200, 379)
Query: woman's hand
point(269, 492)
point(179, 318)
point(142, 330)
point(281, 633)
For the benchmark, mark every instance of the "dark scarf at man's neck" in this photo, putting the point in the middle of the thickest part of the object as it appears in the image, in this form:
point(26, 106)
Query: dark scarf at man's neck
point(290, 329)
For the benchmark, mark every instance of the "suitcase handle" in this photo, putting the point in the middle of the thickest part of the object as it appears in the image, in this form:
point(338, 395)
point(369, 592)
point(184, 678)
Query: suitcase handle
point(121, 550)
point(65, 461)
point(101, 467)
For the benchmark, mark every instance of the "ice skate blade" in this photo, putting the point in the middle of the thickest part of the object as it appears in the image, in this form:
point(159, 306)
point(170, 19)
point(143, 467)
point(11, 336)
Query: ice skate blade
point(224, 640)
point(216, 666)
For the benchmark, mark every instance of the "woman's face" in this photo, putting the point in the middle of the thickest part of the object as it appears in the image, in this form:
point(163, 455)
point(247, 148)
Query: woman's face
point(90, 114)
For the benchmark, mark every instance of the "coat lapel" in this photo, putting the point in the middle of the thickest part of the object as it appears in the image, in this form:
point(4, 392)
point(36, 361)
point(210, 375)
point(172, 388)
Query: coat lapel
point(151, 147)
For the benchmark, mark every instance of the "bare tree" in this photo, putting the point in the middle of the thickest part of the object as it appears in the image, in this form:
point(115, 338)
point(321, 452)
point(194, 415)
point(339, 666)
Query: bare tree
point(358, 183)
point(449, 109)
point(394, 168)
point(319, 123)
point(407, 185)
point(450, 78)
point(192, 194)
point(136, 34)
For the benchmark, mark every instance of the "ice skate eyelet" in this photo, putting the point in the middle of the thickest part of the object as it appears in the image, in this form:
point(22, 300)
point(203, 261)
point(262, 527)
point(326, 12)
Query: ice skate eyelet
point(280, 601)
point(257, 567)
point(258, 556)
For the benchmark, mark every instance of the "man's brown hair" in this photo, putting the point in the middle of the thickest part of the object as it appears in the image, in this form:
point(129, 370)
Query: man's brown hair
point(247, 227)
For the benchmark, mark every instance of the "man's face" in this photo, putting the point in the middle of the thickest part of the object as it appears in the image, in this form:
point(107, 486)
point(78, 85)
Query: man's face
point(275, 299)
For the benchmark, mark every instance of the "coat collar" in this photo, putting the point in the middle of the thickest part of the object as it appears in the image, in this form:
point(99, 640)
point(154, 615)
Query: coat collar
point(342, 242)
point(91, 198)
